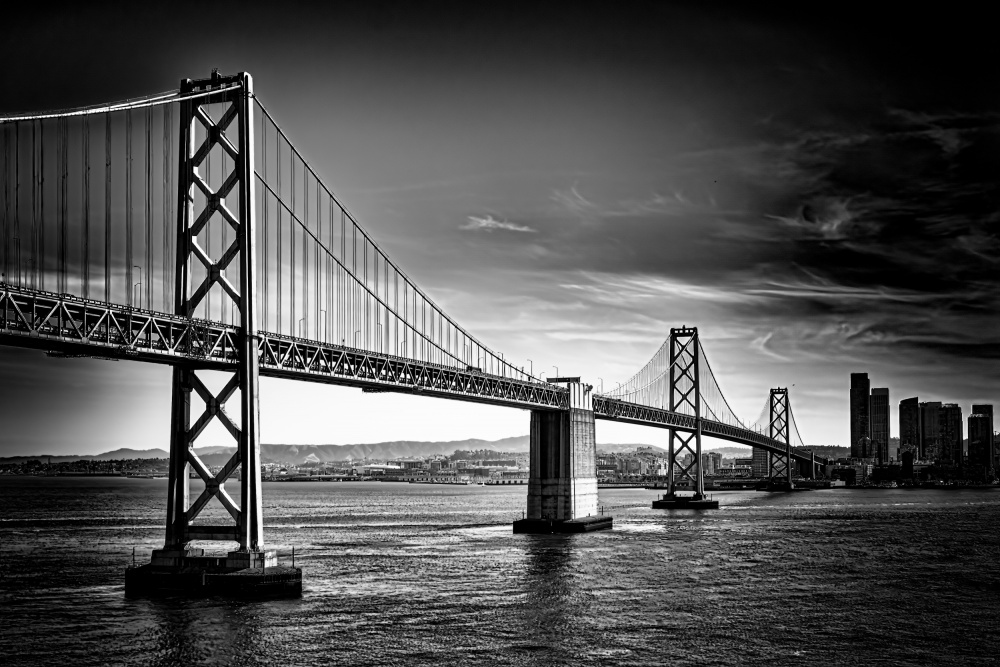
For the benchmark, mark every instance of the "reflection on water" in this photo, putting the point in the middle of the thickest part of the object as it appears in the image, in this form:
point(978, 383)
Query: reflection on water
point(412, 574)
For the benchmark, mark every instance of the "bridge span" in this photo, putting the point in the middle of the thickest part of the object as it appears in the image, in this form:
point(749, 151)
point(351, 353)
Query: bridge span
point(185, 228)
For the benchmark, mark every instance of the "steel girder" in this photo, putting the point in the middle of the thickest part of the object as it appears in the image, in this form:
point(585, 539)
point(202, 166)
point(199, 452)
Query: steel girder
point(68, 325)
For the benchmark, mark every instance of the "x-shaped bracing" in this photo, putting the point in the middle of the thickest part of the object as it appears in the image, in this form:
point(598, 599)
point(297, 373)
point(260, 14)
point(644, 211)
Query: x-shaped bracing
point(686, 443)
point(215, 201)
point(214, 484)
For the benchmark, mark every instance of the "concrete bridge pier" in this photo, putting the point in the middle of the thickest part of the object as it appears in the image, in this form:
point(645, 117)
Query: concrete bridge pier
point(562, 483)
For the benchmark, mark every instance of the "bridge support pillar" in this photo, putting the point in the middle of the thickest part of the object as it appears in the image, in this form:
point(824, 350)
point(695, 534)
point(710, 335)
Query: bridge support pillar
point(562, 484)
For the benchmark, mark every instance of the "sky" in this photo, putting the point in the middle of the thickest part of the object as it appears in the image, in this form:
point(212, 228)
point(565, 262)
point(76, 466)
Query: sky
point(816, 191)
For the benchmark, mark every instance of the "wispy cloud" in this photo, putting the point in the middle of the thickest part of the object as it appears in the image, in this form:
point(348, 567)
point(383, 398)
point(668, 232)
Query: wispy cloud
point(488, 223)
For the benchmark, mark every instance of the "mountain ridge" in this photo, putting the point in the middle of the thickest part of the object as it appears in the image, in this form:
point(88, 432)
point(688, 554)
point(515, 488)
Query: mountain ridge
point(393, 449)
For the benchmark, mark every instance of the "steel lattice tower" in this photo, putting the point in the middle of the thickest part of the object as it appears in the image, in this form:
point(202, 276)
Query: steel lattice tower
point(685, 395)
point(778, 429)
point(232, 203)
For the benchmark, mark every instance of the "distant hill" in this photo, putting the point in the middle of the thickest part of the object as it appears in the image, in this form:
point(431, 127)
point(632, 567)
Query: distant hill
point(129, 454)
point(282, 453)
point(291, 453)
point(621, 448)
point(119, 454)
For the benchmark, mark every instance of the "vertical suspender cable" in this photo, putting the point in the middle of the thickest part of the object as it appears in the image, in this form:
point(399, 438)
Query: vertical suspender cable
point(148, 287)
point(334, 282)
point(224, 296)
point(6, 199)
point(17, 198)
point(207, 308)
point(128, 206)
point(64, 177)
point(166, 221)
point(107, 208)
point(291, 229)
point(40, 260)
point(367, 299)
point(318, 272)
point(33, 262)
point(342, 286)
point(280, 256)
point(86, 207)
point(305, 255)
point(263, 170)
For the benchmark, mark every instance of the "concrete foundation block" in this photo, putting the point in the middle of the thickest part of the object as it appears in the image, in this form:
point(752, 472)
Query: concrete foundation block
point(241, 560)
point(554, 526)
point(684, 503)
point(173, 557)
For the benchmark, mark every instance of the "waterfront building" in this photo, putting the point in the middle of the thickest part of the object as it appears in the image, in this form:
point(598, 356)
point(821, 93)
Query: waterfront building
point(760, 462)
point(879, 416)
point(909, 427)
point(860, 414)
point(982, 449)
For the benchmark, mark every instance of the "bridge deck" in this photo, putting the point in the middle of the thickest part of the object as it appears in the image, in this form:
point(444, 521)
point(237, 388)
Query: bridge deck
point(633, 413)
point(67, 325)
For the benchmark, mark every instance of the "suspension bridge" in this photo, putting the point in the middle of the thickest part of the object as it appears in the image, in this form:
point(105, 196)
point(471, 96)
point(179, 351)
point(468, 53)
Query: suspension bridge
point(185, 228)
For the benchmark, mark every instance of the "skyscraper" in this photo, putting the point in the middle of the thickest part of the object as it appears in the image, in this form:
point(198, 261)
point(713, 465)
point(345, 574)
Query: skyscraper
point(982, 452)
point(879, 405)
point(909, 427)
point(951, 426)
point(761, 465)
point(860, 406)
point(930, 431)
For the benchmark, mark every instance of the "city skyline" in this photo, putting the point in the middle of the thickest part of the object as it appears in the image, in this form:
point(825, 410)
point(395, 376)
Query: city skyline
point(814, 207)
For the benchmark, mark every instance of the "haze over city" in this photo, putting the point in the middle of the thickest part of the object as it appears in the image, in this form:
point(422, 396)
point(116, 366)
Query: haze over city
point(568, 185)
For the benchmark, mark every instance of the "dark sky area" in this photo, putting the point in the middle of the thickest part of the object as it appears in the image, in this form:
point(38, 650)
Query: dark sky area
point(816, 190)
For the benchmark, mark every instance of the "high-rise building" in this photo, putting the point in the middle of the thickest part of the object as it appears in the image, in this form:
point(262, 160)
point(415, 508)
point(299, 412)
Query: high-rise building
point(982, 451)
point(879, 414)
point(930, 431)
point(952, 431)
point(909, 427)
point(710, 463)
point(761, 465)
point(860, 421)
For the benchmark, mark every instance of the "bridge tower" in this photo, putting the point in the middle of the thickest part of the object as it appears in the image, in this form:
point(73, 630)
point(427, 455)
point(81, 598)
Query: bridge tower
point(778, 429)
point(562, 483)
point(684, 452)
point(229, 201)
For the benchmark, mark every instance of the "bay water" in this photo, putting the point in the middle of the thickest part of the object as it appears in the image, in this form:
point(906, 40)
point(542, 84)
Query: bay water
point(408, 574)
